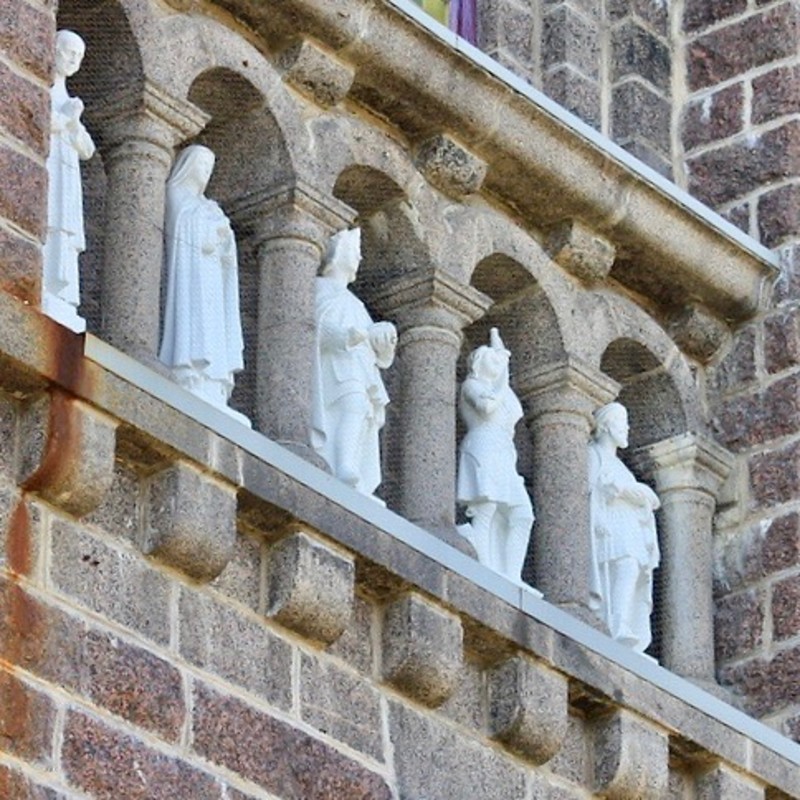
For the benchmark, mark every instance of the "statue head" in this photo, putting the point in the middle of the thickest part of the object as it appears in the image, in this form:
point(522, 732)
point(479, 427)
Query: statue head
point(343, 255)
point(611, 421)
point(192, 169)
point(490, 362)
point(70, 49)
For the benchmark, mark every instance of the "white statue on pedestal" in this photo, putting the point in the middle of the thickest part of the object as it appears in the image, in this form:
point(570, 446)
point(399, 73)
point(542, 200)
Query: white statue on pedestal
point(349, 396)
point(202, 342)
point(623, 534)
point(69, 144)
point(498, 505)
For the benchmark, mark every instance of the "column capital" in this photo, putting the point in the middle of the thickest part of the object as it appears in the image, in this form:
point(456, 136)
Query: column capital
point(291, 210)
point(571, 386)
point(430, 298)
point(686, 461)
point(147, 113)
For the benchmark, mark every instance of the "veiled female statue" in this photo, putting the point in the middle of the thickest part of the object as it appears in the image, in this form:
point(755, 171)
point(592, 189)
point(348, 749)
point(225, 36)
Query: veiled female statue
point(202, 340)
point(623, 530)
point(349, 396)
point(497, 502)
point(70, 143)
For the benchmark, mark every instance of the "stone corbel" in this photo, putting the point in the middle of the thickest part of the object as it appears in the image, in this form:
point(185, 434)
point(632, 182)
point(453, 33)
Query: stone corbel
point(697, 332)
point(67, 452)
point(582, 251)
point(450, 167)
point(316, 72)
point(630, 758)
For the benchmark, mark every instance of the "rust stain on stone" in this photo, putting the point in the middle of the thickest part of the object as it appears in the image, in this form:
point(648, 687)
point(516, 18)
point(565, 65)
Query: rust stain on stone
point(18, 539)
point(66, 365)
point(23, 630)
point(16, 722)
point(63, 437)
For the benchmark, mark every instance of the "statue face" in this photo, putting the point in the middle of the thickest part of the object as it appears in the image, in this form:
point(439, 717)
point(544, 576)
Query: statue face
point(69, 53)
point(204, 166)
point(347, 257)
point(618, 427)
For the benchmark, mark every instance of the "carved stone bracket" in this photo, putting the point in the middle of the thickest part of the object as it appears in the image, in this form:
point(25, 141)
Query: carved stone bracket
point(697, 332)
point(316, 72)
point(449, 166)
point(582, 251)
point(67, 452)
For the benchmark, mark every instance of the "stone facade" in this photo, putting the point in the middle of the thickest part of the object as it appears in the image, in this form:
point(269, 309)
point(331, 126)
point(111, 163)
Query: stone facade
point(193, 610)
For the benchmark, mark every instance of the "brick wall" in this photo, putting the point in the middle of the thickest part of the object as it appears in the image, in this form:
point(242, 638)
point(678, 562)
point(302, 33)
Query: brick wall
point(26, 51)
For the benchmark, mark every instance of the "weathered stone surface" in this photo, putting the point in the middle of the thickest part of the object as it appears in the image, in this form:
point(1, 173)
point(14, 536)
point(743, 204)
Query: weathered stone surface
point(113, 582)
point(528, 708)
point(698, 14)
point(721, 783)
point(638, 113)
point(235, 645)
point(578, 94)
point(775, 476)
point(108, 764)
point(698, 333)
point(422, 649)
point(570, 38)
point(656, 15)
point(635, 51)
point(738, 624)
point(241, 578)
point(786, 608)
point(282, 759)
point(714, 117)
point(27, 206)
point(740, 46)
point(27, 35)
point(778, 214)
point(776, 94)
point(356, 645)
point(25, 112)
point(738, 366)
point(341, 704)
point(782, 340)
point(15, 784)
point(449, 166)
point(766, 684)
point(630, 760)
point(20, 266)
point(582, 251)
point(463, 767)
point(27, 717)
point(67, 454)
point(191, 522)
point(316, 72)
point(310, 587)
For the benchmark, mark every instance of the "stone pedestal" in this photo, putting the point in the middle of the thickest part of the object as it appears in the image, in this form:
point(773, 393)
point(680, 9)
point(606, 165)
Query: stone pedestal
point(290, 226)
point(137, 140)
point(430, 310)
point(687, 471)
point(559, 401)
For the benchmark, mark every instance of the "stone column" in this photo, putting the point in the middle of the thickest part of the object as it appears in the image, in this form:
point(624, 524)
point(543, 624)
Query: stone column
point(137, 142)
point(290, 227)
point(559, 401)
point(688, 471)
point(430, 309)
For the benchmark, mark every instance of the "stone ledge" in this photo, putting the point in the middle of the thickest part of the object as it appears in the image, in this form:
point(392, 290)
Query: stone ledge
point(279, 483)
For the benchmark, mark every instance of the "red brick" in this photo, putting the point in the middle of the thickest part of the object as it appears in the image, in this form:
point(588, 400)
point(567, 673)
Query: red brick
point(25, 110)
point(779, 214)
point(134, 683)
point(275, 755)
point(16, 786)
point(699, 14)
point(26, 721)
point(108, 764)
point(741, 46)
point(23, 192)
point(713, 118)
point(20, 266)
point(728, 172)
point(775, 476)
point(786, 608)
point(738, 625)
point(776, 94)
point(766, 685)
point(27, 36)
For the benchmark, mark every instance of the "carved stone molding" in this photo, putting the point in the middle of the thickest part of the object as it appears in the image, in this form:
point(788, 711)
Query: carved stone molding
point(316, 72)
point(582, 251)
point(697, 332)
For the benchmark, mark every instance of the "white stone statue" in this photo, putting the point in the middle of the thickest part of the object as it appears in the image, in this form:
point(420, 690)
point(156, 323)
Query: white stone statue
point(69, 144)
point(202, 341)
point(497, 503)
point(349, 399)
point(623, 534)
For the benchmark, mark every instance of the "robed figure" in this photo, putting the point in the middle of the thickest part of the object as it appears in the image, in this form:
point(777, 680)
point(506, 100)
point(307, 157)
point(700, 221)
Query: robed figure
point(70, 143)
point(349, 399)
point(496, 500)
point(623, 534)
point(202, 342)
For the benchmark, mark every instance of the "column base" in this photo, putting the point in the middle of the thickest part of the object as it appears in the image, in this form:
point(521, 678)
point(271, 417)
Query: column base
point(306, 452)
point(446, 531)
